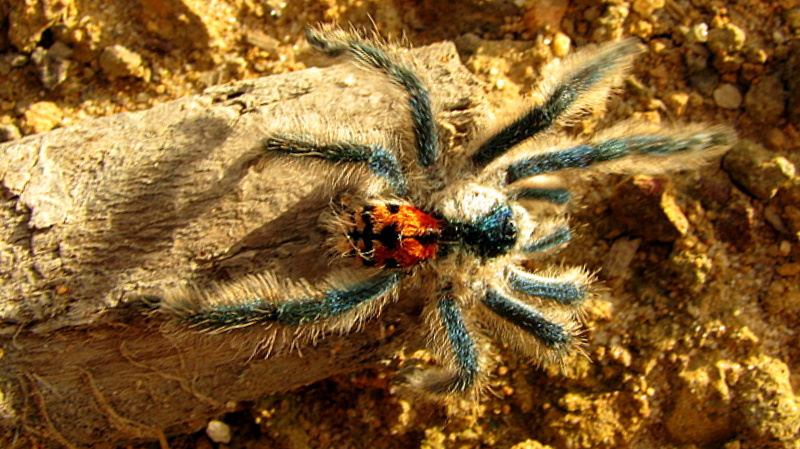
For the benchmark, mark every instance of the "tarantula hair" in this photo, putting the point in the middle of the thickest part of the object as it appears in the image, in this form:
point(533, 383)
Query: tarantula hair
point(454, 221)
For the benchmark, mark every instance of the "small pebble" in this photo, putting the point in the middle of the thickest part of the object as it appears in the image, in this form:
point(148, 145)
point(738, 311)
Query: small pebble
point(561, 43)
point(760, 172)
point(658, 46)
point(17, 60)
point(647, 7)
point(118, 62)
point(42, 116)
point(785, 248)
point(218, 431)
point(727, 39)
point(727, 96)
point(699, 32)
point(678, 102)
point(773, 217)
point(642, 28)
point(8, 132)
point(52, 64)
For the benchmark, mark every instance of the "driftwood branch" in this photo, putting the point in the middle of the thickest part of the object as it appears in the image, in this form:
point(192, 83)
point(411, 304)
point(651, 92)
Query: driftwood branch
point(96, 215)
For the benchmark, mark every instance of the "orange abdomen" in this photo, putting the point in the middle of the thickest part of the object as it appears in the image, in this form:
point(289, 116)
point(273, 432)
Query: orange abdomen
point(394, 235)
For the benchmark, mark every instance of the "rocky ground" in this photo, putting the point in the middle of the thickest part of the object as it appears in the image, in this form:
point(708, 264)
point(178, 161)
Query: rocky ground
point(693, 341)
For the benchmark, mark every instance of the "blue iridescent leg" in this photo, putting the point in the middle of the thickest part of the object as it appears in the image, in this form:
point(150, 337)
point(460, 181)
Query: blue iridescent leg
point(379, 160)
point(554, 195)
point(559, 236)
point(564, 292)
point(560, 101)
point(530, 320)
point(463, 347)
point(585, 155)
point(426, 139)
point(311, 309)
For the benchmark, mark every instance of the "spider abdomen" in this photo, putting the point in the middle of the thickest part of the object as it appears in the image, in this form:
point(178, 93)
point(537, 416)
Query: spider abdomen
point(393, 235)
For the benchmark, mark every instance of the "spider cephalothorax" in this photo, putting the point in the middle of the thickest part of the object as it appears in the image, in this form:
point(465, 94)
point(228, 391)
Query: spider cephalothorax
point(454, 220)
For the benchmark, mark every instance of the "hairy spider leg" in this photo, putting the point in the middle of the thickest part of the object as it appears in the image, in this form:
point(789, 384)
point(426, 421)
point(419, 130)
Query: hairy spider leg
point(557, 237)
point(308, 309)
point(563, 292)
point(526, 317)
point(553, 195)
point(585, 155)
point(560, 103)
point(465, 352)
point(336, 302)
point(380, 161)
point(336, 42)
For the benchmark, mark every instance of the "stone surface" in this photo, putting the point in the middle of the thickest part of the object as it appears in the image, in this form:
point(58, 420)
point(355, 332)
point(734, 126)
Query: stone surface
point(760, 172)
point(647, 7)
point(701, 413)
point(767, 402)
point(52, 64)
point(729, 38)
point(117, 62)
point(41, 116)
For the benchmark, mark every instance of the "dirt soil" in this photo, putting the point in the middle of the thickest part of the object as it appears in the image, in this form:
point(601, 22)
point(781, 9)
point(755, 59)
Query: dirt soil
point(694, 341)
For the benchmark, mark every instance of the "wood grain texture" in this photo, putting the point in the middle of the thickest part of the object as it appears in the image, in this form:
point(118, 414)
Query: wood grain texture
point(99, 214)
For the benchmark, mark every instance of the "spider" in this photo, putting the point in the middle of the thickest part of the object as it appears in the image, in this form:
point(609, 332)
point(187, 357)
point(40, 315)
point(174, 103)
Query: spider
point(454, 221)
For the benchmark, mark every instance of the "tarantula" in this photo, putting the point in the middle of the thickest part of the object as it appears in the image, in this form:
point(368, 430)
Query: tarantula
point(454, 219)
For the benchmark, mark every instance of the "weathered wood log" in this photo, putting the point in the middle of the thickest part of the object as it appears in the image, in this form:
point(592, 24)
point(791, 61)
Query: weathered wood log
point(101, 213)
